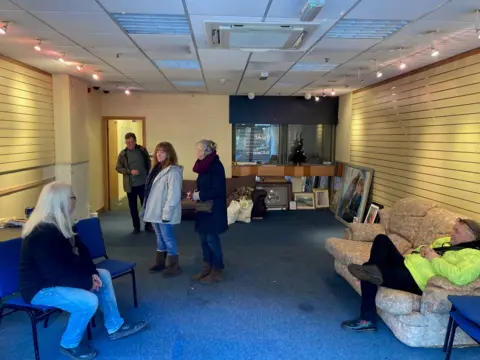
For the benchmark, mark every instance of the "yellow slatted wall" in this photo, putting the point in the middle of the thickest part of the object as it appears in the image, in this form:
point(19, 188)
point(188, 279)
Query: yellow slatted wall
point(27, 146)
point(421, 134)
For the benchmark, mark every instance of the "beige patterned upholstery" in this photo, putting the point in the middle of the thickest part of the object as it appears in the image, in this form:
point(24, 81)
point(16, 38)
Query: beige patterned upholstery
point(418, 321)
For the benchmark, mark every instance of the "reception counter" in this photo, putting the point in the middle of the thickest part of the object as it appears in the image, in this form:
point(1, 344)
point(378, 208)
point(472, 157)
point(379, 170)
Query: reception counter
point(283, 170)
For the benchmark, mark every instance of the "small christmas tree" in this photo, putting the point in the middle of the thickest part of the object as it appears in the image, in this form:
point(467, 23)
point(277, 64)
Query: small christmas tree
point(297, 156)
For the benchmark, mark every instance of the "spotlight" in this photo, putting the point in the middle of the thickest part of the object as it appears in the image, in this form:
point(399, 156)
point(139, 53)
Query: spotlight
point(333, 92)
point(127, 92)
point(402, 66)
point(434, 52)
point(61, 58)
point(478, 33)
point(317, 99)
point(38, 46)
point(3, 29)
point(80, 67)
point(251, 95)
point(308, 96)
point(95, 76)
point(379, 74)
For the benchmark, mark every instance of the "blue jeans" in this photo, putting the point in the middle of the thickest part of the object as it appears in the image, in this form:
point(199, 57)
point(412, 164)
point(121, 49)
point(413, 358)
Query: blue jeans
point(166, 240)
point(212, 250)
point(82, 305)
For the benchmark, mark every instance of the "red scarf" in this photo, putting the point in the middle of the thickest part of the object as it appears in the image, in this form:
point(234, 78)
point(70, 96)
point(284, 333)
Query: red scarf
point(201, 166)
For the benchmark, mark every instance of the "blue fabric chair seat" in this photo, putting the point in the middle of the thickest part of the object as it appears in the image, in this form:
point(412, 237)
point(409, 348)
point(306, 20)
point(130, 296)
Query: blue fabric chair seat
point(468, 306)
point(116, 267)
point(17, 301)
point(472, 329)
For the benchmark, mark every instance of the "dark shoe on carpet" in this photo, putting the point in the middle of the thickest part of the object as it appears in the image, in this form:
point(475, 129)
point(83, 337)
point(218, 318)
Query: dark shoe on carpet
point(149, 228)
point(159, 261)
point(172, 266)
point(370, 273)
point(205, 272)
point(136, 231)
point(81, 352)
point(214, 277)
point(127, 329)
point(359, 325)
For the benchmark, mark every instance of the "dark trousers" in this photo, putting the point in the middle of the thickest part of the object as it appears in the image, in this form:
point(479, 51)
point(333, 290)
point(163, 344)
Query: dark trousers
point(212, 250)
point(136, 192)
point(396, 276)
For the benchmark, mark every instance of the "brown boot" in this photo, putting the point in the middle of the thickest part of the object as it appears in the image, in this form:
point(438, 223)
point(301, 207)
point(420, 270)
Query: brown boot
point(205, 271)
point(159, 262)
point(214, 277)
point(173, 266)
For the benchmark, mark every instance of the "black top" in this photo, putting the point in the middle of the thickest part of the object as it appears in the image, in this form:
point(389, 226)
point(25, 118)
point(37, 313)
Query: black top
point(48, 259)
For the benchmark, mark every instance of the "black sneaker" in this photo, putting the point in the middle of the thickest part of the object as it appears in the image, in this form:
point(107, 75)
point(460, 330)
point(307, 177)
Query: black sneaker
point(136, 231)
point(81, 352)
point(359, 325)
point(127, 329)
point(370, 273)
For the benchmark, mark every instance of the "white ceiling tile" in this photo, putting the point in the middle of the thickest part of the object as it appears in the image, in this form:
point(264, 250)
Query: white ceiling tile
point(273, 66)
point(277, 55)
point(172, 52)
point(102, 40)
point(333, 56)
point(183, 74)
point(7, 5)
point(216, 59)
point(72, 23)
point(393, 10)
point(173, 7)
point(22, 20)
point(300, 77)
point(227, 8)
point(345, 44)
point(292, 9)
point(458, 10)
point(60, 5)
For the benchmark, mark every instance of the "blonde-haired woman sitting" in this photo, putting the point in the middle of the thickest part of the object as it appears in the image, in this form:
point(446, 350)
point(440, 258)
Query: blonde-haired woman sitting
point(56, 269)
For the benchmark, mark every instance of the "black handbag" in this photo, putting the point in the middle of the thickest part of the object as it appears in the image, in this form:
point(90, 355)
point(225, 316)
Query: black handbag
point(204, 206)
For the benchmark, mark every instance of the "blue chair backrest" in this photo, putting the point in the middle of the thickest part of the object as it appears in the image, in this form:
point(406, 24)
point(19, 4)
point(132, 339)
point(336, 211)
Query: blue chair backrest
point(9, 265)
point(90, 233)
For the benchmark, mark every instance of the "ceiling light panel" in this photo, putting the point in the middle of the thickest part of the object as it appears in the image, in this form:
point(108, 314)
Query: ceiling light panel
point(153, 24)
point(177, 64)
point(365, 29)
point(305, 66)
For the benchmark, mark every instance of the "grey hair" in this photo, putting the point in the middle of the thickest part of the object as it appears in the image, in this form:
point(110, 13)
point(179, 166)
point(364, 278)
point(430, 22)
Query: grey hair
point(208, 146)
point(53, 207)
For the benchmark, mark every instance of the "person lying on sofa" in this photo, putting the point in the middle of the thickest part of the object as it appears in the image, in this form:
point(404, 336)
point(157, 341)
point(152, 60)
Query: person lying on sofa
point(456, 258)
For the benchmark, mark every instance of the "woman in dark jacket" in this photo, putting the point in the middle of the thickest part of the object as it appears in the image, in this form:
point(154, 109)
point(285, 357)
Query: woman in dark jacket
point(56, 269)
point(211, 190)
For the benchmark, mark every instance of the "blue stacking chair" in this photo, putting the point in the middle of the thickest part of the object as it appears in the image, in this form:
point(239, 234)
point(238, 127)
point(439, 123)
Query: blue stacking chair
point(465, 314)
point(10, 300)
point(90, 233)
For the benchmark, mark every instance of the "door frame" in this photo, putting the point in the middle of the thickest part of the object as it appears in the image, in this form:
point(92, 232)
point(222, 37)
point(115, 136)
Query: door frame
point(105, 152)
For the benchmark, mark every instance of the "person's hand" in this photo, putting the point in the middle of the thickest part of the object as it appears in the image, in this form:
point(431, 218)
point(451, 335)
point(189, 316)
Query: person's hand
point(196, 196)
point(97, 282)
point(134, 172)
point(430, 254)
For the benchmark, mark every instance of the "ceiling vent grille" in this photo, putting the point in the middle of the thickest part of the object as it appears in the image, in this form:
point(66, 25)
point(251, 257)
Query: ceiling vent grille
point(258, 36)
point(153, 24)
point(365, 29)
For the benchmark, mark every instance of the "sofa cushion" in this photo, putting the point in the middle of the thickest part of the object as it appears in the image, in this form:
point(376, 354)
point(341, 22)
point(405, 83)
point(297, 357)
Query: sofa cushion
point(397, 302)
point(438, 223)
point(413, 207)
point(402, 244)
point(406, 226)
point(348, 251)
point(385, 216)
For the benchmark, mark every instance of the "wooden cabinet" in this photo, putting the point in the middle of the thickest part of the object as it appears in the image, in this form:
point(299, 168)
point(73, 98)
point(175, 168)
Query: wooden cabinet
point(283, 170)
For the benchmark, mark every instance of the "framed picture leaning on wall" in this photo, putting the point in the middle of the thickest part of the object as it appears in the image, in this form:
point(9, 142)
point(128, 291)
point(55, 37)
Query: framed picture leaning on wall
point(353, 193)
point(322, 200)
point(335, 185)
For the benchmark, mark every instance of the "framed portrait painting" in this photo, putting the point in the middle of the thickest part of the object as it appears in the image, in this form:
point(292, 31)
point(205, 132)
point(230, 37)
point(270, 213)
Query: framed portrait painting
point(353, 193)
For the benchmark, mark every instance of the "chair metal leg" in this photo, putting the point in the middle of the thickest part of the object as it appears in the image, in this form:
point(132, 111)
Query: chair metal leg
point(450, 341)
point(33, 320)
point(134, 284)
point(447, 334)
point(89, 332)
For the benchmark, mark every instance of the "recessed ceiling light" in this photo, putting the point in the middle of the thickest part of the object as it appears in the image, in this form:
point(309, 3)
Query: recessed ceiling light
point(434, 52)
point(38, 47)
point(333, 92)
point(402, 66)
point(379, 74)
point(80, 67)
point(127, 92)
point(95, 76)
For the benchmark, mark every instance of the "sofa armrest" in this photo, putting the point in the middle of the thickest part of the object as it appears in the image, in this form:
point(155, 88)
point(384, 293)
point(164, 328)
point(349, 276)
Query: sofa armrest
point(435, 295)
point(364, 232)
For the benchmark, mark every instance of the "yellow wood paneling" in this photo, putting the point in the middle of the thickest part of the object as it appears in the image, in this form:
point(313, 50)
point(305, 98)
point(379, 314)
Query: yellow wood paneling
point(421, 134)
point(27, 145)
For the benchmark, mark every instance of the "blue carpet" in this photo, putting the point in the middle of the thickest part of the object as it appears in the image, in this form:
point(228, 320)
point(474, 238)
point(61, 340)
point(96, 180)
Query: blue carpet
point(281, 300)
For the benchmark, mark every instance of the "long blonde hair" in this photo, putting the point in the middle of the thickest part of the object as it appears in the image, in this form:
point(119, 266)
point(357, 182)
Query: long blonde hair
point(53, 207)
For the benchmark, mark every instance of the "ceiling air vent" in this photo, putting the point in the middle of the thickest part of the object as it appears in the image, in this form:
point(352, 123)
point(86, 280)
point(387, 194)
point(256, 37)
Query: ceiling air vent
point(258, 36)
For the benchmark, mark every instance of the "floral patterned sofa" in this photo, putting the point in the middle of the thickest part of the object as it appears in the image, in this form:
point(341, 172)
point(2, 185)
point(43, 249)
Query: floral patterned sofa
point(419, 321)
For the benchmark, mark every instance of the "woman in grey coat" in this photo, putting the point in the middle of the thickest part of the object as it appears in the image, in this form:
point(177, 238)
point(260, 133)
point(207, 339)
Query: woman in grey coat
point(163, 207)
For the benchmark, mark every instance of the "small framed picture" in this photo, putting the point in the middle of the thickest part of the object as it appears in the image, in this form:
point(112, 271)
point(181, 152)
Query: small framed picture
point(305, 201)
point(293, 205)
point(372, 214)
point(322, 199)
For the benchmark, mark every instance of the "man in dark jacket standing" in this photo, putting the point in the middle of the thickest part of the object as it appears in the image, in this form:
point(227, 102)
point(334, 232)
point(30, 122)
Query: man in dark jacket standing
point(134, 164)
